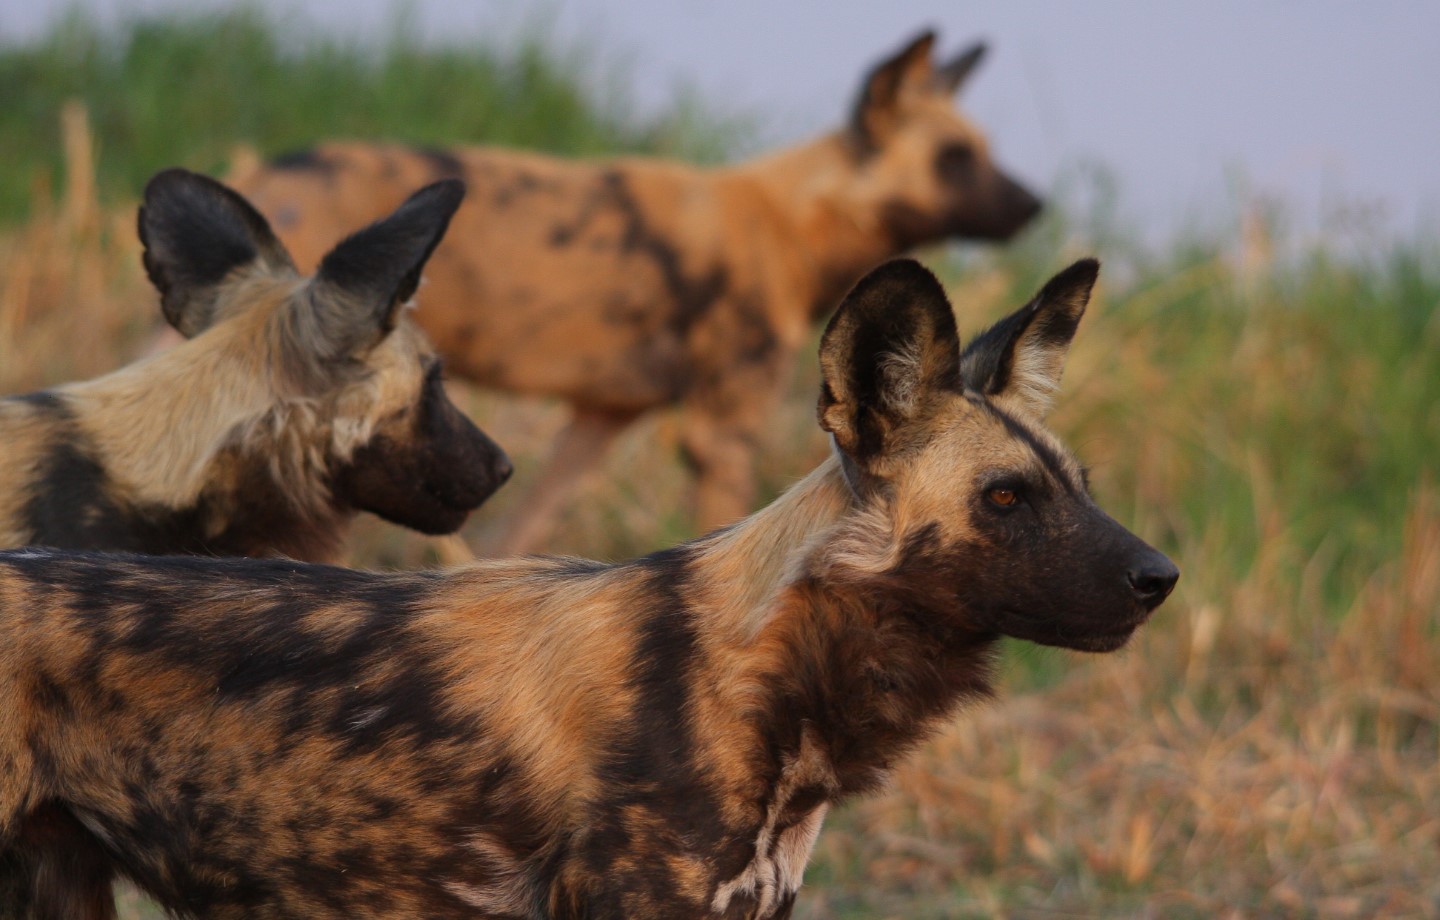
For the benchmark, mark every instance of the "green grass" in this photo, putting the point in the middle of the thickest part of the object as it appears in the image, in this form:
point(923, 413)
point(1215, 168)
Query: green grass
point(184, 91)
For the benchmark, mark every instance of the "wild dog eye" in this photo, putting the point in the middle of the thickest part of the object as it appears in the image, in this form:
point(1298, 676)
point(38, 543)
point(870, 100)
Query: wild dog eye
point(955, 162)
point(1004, 497)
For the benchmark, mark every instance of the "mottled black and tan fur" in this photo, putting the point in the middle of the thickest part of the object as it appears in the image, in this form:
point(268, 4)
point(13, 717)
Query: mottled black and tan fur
point(558, 738)
point(295, 403)
point(626, 285)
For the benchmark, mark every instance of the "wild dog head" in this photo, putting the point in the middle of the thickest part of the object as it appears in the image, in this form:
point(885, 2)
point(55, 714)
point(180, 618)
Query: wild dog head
point(984, 510)
point(359, 409)
point(928, 168)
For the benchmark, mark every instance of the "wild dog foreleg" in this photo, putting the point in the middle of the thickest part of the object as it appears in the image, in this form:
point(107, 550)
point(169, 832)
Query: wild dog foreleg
point(721, 437)
point(577, 453)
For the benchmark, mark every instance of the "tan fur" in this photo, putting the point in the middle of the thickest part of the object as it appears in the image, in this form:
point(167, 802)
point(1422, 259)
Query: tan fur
point(629, 284)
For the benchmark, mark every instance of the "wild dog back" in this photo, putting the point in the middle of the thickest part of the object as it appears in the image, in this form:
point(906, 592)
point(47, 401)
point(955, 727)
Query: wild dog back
point(295, 403)
point(561, 738)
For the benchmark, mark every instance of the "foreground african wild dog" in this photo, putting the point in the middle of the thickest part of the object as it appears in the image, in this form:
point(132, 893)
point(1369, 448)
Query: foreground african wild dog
point(626, 285)
point(296, 402)
point(549, 737)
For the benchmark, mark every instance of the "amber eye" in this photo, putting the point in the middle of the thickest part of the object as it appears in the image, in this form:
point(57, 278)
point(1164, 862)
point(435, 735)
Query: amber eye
point(1002, 497)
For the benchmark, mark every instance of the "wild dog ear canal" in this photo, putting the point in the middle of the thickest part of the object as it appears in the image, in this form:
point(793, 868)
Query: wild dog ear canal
point(891, 342)
point(1021, 357)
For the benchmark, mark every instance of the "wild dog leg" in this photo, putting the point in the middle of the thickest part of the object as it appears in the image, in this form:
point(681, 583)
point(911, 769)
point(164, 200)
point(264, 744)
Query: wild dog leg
point(577, 453)
point(721, 436)
point(722, 456)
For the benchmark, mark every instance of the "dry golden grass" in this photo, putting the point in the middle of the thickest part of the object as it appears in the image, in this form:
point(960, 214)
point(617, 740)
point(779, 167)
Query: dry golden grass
point(1266, 747)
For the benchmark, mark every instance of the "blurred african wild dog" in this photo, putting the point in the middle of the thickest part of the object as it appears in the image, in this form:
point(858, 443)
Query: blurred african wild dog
point(295, 403)
point(625, 285)
point(557, 738)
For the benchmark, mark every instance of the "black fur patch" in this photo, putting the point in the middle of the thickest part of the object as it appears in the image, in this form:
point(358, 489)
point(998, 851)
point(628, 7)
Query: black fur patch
point(45, 402)
point(72, 506)
point(70, 503)
point(306, 159)
point(655, 770)
point(373, 686)
point(443, 164)
point(1053, 462)
point(955, 164)
point(692, 296)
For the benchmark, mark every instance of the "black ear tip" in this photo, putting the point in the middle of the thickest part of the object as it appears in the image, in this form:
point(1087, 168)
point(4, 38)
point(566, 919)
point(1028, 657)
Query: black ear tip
point(167, 179)
point(906, 276)
point(445, 195)
point(1084, 272)
point(176, 182)
point(925, 36)
point(901, 270)
point(888, 290)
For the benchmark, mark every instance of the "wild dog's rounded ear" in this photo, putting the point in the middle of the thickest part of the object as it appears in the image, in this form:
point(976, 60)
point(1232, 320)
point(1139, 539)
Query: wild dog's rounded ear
point(889, 347)
point(877, 110)
point(1019, 359)
point(196, 233)
point(949, 77)
point(363, 282)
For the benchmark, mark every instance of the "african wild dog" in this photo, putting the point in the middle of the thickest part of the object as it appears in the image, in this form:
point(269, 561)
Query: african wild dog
point(626, 285)
point(296, 402)
point(551, 737)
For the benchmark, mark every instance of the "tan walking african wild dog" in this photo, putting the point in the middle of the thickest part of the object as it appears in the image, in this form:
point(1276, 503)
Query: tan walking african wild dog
point(558, 738)
point(295, 403)
point(622, 286)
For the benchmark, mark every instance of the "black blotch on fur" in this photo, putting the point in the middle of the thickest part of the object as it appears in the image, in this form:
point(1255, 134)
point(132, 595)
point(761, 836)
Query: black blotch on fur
point(46, 402)
point(443, 164)
point(1051, 460)
point(654, 768)
point(955, 164)
point(70, 504)
point(305, 159)
point(692, 296)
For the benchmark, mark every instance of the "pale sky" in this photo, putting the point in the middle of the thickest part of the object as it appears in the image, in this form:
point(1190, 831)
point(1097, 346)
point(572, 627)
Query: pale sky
point(1323, 104)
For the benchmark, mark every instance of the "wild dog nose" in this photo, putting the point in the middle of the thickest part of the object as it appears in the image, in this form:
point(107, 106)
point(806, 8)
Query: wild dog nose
point(502, 468)
point(1152, 580)
point(1028, 205)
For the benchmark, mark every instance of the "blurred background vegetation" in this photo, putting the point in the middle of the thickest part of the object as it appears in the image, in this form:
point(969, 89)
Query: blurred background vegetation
point(166, 91)
point(1268, 414)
